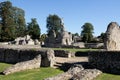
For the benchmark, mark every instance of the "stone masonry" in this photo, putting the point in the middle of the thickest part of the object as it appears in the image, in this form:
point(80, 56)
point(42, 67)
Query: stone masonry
point(16, 54)
point(112, 41)
point(107, 61)
point(31, 64)
point(77, 72)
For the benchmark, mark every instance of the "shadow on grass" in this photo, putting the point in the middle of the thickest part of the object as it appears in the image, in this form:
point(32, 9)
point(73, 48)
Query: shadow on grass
point(86, 65)
point(66, 66)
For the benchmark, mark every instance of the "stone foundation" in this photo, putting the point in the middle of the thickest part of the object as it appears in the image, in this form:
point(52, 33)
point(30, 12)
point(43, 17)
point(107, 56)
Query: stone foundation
point(15, 55)
point(108, 61)
point(31, 64)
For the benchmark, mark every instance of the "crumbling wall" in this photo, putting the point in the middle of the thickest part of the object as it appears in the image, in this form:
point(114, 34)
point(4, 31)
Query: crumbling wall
point(31, 64)
point(10, 55)
point(108, 61)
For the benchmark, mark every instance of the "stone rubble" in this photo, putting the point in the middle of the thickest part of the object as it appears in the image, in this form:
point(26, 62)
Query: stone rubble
point(31, 64)
point(77, 72)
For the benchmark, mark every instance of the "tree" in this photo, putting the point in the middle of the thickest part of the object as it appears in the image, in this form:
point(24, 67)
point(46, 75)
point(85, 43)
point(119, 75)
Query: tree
point(54, 24)
point(34, 29)
point(102, 37)
point(19, 21)
point(87, 32)
point(7, 21)
point(43, 37)
point(12, 22)
point(76, 34)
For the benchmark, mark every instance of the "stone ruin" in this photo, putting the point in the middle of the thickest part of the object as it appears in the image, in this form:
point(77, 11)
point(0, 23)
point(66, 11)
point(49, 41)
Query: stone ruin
point(25, 58)
point(30, 64)
point(77, 72)
point(59, 40)
point(112, 41)
point(26, 40)
point(108, 60)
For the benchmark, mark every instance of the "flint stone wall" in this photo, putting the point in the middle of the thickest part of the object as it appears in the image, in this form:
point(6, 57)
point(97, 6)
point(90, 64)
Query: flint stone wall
point(63, 53)
point(31, 64)
point(10, 55)
point(108, 61)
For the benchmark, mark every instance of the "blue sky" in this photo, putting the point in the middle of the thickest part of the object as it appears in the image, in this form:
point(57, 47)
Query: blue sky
point(74, 12)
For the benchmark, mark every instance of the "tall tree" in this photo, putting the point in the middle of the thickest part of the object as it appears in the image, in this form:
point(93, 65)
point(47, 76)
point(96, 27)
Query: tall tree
point(19, 21)
point(33, 29)
point(54, 23)
point(102, 37)
point(87, 32)
point(7, 21)
point(12, 22)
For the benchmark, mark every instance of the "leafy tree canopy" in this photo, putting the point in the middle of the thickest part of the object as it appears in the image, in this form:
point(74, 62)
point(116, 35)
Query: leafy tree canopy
point(54, 24)
point(87, 32)
point(34, 29)
point(12, 22)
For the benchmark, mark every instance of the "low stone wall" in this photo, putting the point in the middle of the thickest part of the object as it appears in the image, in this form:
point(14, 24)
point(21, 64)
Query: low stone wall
point(108, 61)
point(94, 45)
point(31, 64)
point(15, 55)
point(63, 53)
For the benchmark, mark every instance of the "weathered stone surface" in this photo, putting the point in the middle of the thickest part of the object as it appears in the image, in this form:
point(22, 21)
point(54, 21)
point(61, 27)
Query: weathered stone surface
point(31, 64)
point(112, 41)
point(77, 72)
point(16, 54)
point(60, 39)
point(87, 74)
point(26, 40)
point(79, 44)
point(67, 75)
point(75, 69)
point(107, 61)
point(66, 38)
point(23, 47)
point(48, 58)
point(94, 45)
point(36, 42)
point(64, 53)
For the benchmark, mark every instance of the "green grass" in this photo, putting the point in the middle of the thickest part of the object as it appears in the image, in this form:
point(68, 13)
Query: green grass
point(34, 74)
point(106, 76)
point(41, 73)
point(74, 50)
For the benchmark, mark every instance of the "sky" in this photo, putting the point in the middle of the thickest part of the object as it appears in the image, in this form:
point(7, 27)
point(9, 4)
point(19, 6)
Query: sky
point(74, 13)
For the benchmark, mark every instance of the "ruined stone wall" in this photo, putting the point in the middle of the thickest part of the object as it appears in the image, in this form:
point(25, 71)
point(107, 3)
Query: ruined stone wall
point(112, 41)
point(108, 61)
point(64, 53)
point(16, 55)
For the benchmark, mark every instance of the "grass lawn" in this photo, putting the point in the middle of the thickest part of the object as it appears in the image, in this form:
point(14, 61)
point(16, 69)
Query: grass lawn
point(34, 74)
point(106, 76)
point(74, 50)
point(41, 73)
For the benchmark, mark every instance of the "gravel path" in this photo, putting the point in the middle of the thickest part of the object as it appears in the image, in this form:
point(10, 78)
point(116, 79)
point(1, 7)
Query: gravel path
point(71, 60)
